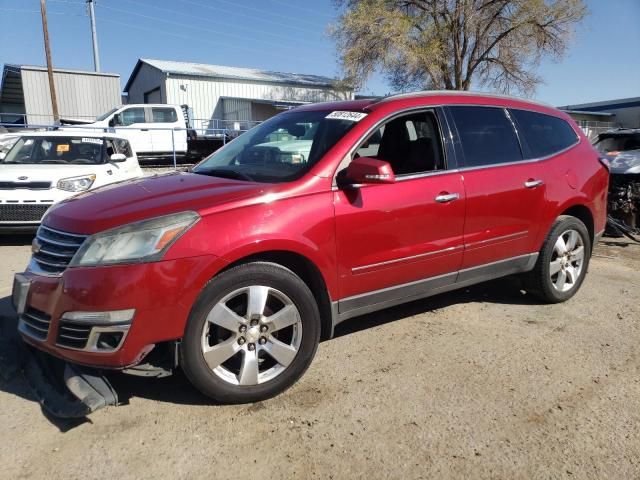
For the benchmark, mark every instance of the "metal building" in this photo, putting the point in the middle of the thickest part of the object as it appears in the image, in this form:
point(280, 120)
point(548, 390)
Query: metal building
point(218, 94)
point(25, 96)
point(597, 117)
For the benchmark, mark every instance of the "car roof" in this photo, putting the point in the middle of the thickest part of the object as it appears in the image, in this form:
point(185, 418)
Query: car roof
point(431, 97)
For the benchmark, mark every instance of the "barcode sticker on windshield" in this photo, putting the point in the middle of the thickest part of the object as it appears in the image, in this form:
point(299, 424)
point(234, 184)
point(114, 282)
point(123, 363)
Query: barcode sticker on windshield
point(97, 141)
point(351, 116)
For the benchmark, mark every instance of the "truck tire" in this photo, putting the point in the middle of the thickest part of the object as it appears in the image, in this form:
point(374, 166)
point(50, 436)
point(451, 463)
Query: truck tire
point(251, 334)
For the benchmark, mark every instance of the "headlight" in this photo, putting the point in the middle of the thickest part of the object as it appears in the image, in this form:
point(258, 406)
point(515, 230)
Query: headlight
point(76, 184)
point(144, 241)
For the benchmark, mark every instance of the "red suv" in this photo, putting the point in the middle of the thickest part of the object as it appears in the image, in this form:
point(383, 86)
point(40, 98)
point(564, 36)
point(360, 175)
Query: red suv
point(320, 214)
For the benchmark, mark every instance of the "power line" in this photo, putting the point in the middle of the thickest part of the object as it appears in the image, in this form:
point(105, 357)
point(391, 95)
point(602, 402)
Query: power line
point(186, 37)
point(237, 27)
point(240, 14)
point(266, 12)
point(298, 7)
point(185, 25)
point(19, 10)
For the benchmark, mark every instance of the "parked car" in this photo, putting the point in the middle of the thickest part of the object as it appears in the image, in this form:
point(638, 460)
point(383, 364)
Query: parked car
point(621, 147)
point(239, 267)
point(44, 168)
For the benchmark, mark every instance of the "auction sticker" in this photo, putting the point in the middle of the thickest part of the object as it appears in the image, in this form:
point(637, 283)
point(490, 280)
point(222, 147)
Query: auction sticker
point(343, 115)
point(97, 141)
point(63, 147)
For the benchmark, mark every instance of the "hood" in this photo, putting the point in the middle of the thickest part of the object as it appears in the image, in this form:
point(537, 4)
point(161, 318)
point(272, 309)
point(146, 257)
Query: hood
point(75, 121)
point(625, 162)
point(14, 172)
point(125, 202)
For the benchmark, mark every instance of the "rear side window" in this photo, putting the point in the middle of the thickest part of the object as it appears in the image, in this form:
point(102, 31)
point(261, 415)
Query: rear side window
point(164, 115)
point(487, 136)
point(543, 134)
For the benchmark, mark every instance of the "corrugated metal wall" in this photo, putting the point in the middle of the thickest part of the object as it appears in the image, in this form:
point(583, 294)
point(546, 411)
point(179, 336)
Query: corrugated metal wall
point(204, 95)
point(80, 95)
point(146, 80)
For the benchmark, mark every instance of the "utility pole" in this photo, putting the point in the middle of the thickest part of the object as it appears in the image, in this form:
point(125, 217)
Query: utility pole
point(94, 36)
point(47, 51)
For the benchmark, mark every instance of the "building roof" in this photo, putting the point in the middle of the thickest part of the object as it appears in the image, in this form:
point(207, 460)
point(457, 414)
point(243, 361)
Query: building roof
point(231, 73)
point(605, 105)
point(16, 69)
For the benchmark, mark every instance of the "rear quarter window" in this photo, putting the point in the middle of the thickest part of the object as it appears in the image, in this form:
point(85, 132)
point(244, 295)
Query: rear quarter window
point(544, 135)
point(164, 115)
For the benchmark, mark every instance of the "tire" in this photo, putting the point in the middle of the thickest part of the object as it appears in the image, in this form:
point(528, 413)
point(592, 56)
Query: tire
point(252, 333)
point(545, 281)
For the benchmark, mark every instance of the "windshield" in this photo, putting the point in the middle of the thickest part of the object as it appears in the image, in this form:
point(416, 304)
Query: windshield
point(56, 150)
point(279, 150)
point(104, 116)
point(614, 144)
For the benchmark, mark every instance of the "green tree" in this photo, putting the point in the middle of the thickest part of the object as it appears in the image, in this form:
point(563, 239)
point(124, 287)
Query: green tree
point(452, 44)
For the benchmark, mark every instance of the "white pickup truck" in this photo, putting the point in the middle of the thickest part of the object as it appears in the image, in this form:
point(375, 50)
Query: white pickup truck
point(154, 130)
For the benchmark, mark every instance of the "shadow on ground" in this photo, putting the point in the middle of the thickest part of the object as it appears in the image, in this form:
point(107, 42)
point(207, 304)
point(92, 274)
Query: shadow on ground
point(177, 389)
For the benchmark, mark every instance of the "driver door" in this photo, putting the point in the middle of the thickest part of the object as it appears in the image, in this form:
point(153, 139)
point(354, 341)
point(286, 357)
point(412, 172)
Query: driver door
point(398, 240)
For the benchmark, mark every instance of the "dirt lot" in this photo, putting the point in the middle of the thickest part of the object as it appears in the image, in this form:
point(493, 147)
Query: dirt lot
point(482, 383)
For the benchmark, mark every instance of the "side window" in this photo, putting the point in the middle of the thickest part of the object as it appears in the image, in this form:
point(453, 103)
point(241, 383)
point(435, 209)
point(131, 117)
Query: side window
point(164, 115)
point(122, 146)
point(409, 143)
point(487, 136)
point(543, 134)
point(132, 115)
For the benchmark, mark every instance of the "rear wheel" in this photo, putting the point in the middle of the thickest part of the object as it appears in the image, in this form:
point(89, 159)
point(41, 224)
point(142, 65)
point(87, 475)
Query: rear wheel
point(252, 334)
point(563, 261)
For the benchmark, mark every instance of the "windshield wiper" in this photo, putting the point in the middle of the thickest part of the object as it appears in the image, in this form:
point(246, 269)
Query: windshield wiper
point(225, 173)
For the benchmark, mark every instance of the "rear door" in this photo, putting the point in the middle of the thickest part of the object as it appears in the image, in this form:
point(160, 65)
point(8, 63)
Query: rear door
point(165, 123)
point(505, 194)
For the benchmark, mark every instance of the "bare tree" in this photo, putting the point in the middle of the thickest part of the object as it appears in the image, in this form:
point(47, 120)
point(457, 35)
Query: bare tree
point(448, 44)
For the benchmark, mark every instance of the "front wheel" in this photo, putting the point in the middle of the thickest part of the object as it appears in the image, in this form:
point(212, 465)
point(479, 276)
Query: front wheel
point(562, 262)
point(252, 333)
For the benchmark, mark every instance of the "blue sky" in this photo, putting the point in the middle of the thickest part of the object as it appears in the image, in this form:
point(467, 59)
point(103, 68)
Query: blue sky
point(289, 35)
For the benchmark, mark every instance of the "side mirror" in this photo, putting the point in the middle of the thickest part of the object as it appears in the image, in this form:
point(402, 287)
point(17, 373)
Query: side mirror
point(365, 170)
point(118, 157)
point(115, 120)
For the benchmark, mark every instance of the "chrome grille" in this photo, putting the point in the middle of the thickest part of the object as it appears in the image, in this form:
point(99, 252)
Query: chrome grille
point(73, 335)
point(55, 249)
point(35, 323)
point(22, 212)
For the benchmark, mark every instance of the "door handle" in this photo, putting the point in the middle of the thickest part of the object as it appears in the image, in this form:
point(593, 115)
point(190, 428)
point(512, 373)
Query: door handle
point(447, 197)
point(144, 129)
point(533, 183)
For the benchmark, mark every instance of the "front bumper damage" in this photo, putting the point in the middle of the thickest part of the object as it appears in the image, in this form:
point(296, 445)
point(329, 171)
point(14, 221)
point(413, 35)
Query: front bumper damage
point(63, 390)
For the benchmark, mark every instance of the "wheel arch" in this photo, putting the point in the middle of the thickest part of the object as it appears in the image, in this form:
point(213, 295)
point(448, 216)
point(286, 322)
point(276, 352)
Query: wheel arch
point(304, 268)
point(585, 215)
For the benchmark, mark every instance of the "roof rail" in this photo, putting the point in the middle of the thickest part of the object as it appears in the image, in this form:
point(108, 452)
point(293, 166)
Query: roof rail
point(432, 93)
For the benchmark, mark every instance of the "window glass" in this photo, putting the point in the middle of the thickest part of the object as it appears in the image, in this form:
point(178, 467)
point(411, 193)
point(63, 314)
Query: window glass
point(56, 150)
point(164, 115)
point(487, 136)
point(122, 146)
point(410, 144)
point(544, 134)
point(132, 115)
point(281, 149)
point(617, 142)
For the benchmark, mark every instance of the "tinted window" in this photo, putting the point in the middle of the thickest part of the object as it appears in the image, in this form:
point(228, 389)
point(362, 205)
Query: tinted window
point(410, 144)
point(544, 134)
point(132, 115)
point(164, 115)
point(487, 136)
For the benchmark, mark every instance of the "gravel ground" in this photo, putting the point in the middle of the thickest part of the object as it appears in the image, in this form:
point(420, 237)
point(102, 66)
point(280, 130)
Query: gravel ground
point(480, 383)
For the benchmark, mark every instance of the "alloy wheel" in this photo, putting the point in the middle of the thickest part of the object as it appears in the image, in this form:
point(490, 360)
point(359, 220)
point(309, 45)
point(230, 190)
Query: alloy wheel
point(251, 335)
point(567, 260)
